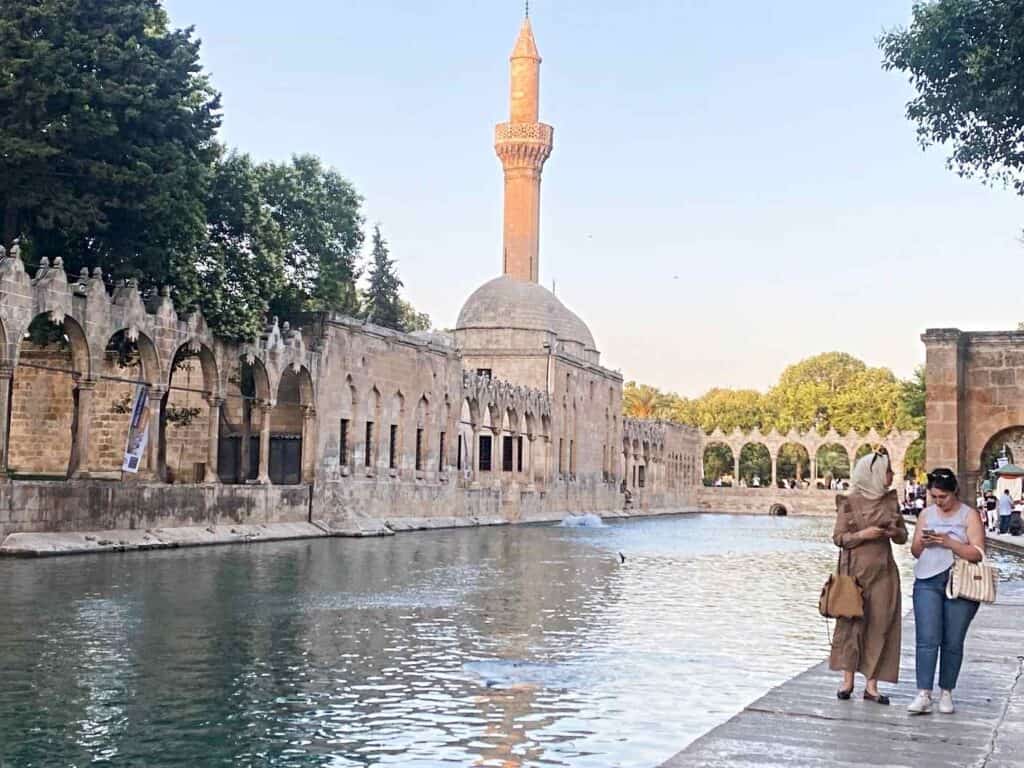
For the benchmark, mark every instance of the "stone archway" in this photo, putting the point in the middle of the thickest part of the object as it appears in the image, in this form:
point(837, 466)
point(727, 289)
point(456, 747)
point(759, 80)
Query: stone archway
point(755, 465)
point(719, 463)
point(51, 400)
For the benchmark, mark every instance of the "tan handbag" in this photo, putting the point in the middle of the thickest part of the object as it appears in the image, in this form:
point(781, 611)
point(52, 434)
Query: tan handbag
point(842, 597)
point(973, 581)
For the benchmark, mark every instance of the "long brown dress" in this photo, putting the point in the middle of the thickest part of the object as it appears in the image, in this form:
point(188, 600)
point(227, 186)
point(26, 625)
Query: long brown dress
point(870, 645)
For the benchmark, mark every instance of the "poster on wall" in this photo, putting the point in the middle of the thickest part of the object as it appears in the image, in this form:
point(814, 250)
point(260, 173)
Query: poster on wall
point(138, 431)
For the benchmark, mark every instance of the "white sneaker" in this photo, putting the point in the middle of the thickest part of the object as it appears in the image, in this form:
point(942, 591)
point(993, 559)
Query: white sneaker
point(921, 705)
point(946, 703)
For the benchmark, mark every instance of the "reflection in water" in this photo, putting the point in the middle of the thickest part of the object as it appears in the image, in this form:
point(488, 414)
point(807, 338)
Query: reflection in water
point(521, 646)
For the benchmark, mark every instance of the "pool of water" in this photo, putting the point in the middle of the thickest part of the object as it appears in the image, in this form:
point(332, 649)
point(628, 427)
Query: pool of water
point(523, 646)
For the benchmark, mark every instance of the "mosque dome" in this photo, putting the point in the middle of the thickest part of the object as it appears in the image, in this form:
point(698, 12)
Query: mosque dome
point(506, 302)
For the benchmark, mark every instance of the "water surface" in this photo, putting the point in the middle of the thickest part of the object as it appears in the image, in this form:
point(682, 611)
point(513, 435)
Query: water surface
point(522, 646)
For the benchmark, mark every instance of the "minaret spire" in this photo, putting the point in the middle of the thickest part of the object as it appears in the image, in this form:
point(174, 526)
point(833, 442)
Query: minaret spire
point(523, 144)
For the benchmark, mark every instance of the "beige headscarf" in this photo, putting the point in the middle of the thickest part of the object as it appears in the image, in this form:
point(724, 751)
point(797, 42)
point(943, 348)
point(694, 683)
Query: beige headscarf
point(869, 476)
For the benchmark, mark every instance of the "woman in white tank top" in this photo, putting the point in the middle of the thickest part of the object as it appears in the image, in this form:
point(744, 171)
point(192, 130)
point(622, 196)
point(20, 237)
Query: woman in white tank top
point(946, 529)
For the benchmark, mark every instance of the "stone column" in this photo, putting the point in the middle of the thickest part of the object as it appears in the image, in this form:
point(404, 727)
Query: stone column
point(6, 376)
point(307, 459)
point(213, 441)
point(474, 458)
point(79, 465)
point(263, 476)
point(736, 473)
point(530, 477)
point(814, 470)
point(155, 452)
point(775, 470)
point(547, 461)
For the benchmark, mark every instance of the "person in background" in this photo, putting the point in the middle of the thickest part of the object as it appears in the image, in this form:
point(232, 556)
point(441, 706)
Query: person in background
point(990, 511)
point(1005, 510)
point(867, 520)
point(946, 529)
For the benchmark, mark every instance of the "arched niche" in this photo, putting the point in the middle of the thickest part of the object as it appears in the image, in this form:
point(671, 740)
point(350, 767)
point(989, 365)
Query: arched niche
point(127, 369)
point(186, 414)
point(289, 424)
point(52, 363)
point(246, 386)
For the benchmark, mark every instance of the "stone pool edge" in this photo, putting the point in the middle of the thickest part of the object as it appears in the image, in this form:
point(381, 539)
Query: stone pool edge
point(58, 543)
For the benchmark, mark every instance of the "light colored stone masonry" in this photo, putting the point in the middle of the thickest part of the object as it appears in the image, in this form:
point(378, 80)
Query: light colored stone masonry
point(975, 394)
point(567, 452)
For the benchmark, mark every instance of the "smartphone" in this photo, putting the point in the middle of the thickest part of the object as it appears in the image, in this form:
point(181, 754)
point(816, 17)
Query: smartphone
point(928, 532)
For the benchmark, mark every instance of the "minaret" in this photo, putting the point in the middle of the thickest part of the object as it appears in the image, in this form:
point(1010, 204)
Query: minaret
point(523, 144)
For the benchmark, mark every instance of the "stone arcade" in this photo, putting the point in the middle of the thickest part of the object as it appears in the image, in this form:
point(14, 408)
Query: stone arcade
point(335, 427)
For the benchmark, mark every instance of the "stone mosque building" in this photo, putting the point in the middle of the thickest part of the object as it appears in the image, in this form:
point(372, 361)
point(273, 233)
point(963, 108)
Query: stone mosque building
point(337, 427)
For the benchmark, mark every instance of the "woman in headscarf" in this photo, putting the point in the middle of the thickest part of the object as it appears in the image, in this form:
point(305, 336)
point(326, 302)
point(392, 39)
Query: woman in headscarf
point(867, 519)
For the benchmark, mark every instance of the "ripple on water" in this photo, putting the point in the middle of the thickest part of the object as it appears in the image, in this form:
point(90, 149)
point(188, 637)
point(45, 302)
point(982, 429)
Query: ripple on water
point(530, 646)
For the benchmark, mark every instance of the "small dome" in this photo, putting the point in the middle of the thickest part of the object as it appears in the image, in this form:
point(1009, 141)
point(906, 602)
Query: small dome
point(505, 302)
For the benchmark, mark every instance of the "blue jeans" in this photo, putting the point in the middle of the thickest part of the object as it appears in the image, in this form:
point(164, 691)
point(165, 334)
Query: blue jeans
point(941, 624)
point(1004, 523)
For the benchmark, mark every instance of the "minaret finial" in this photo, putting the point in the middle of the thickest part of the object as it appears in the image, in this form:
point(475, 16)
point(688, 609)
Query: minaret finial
point(527, 8)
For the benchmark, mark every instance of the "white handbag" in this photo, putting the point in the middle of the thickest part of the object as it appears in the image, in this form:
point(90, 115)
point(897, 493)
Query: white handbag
point(973, 581)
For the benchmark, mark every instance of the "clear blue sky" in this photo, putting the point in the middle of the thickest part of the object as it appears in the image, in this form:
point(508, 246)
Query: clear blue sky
point(734, 186)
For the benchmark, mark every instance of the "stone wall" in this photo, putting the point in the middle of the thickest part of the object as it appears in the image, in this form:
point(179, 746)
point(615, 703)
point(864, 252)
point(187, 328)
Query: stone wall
point(100, 506)
point(759, 501)
point(975, 390)
point(412, 389)
point(187, 424)
point(41, 412)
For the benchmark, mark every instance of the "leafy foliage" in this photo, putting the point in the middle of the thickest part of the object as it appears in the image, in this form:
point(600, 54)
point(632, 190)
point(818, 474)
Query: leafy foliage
point(825, 391)
point(106, 137)
point(108, 157)
point(383, 303)
point(965, 58)
point(318, 213)
point(240, 264)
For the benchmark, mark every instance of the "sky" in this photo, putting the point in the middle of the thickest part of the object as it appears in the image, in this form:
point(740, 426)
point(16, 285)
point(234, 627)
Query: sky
point(734, 186)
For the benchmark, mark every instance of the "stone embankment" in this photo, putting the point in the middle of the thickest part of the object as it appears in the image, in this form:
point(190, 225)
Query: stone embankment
point(801, 723)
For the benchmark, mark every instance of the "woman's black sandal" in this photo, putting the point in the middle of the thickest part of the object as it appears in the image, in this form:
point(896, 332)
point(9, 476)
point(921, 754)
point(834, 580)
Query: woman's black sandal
point(844, 695)
point(880, 698)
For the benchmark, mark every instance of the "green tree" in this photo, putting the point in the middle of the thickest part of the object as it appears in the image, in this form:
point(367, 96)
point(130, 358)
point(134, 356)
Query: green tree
point(913, 407)
point(107, 125)
point(965, 58)
point(383, 303)
point(718, 462)
point(411, 320)
point(807, 392)
point(641, 401)
point(240, 263)
point(318, 213)
point(730, 409)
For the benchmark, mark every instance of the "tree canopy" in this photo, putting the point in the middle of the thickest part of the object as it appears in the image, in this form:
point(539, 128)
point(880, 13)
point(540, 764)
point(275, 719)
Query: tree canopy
point(833, 389)
point(109, 158)
point(107, 127)
point(829, 390)
point(965, 59)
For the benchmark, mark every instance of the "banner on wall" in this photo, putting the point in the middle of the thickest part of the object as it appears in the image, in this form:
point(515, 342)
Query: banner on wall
point(138, 431)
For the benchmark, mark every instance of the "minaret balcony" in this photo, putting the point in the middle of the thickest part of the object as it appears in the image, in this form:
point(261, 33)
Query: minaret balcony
point(540, 133)
point(523, 145)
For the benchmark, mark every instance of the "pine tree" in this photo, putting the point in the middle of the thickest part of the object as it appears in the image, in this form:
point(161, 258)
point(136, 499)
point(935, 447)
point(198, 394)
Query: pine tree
point(383, 305)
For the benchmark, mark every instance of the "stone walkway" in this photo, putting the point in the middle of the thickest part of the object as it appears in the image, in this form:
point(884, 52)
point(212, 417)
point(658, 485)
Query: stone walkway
point(801, 723)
